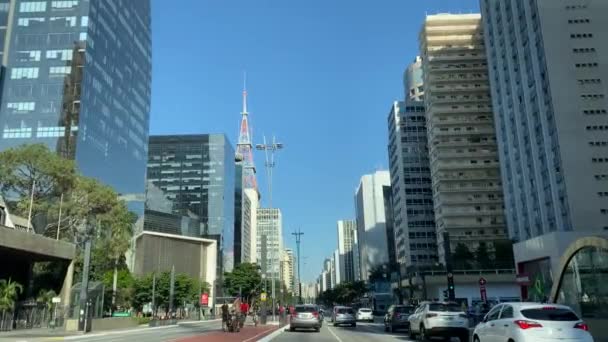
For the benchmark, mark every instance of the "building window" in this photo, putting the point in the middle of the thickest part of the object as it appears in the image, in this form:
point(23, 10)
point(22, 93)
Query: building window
point(581, 35)
point(66, 4)
point(594, 111)
point(64, 55)
point(32, 6)
point(26, 22)
point(596, 128)
point(21, 107)
point(586, 65)
point(20, 73)
point(28, 56)
point(63, 21)
point(603, 193)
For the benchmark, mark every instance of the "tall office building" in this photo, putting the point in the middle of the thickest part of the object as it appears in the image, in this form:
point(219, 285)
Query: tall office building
point(414, 220)
point(413, 82)
point(336, 265)
point(347, 249)
point(77, 79)
point(548, 69)
point(190, 192)
point(269, 240)
point(467, 188)
point(370, 209)
point(287, 269)
point(249, 225)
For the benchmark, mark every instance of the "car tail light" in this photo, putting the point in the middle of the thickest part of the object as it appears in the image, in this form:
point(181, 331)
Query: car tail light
point(527, 324)
point(316, 314)
point(429, 315)
point(582, 326)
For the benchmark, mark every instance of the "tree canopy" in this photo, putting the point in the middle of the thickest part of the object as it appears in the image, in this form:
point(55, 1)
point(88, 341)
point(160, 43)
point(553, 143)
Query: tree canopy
point(244, 279)
point(344, 294)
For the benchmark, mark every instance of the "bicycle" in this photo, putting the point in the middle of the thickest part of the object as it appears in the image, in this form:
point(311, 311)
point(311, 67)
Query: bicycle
point(255, 319)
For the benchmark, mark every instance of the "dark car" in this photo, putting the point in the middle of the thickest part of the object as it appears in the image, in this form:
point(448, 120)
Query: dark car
point(397, 317)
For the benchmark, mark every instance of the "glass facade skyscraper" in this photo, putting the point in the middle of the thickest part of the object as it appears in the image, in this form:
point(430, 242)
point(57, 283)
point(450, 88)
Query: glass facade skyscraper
point(77, 79)
point(190, 190)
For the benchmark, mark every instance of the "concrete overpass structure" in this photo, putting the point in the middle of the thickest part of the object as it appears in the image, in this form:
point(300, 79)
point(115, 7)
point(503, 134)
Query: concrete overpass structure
point(21, 249)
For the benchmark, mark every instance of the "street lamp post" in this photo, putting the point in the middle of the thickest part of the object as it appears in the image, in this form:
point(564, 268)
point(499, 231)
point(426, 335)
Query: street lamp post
point(298, 236)
point(270, 164)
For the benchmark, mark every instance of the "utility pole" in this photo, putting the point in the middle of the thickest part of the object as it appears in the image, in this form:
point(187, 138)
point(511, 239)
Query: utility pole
point(270, 164)
point(451, 292)
point(172, 291)
point(83, 316)
point(298, 236)
point(29, 215)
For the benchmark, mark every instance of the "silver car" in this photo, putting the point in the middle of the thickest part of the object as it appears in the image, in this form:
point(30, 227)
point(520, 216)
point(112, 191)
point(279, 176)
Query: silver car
point(305, 317)
point(344, 316)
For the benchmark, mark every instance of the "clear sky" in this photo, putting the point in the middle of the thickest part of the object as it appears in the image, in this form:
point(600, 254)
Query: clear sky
point(322, 75)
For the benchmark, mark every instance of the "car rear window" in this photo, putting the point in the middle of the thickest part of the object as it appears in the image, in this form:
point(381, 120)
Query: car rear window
point(305, 309)
point(445, 307)
point(345, 311)
point(550, 314)
point(404, 309)
point(365, 310)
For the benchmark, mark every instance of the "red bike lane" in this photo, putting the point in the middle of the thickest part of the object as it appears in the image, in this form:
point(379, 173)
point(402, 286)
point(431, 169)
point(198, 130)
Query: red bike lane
point(247, 334)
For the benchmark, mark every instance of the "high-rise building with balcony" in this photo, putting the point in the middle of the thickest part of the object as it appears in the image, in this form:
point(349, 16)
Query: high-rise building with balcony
point(413, 215)
point(465, 172)
point(269, 246)
point(287, 269)
point(77, 79)
point(249, 225)
point(190, 193)
point(548, 68)
point(370, 208)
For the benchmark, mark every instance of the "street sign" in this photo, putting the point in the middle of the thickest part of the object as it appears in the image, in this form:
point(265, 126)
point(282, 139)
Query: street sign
point(205, 299)
point(263, 297)
point(56, 300)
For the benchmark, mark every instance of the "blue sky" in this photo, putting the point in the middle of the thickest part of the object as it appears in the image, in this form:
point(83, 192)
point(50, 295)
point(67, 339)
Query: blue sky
point(322, 75)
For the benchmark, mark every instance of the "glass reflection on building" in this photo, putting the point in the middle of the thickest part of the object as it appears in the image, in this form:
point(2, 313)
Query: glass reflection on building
point(190, 190)
point(77, 79)
point(583, 284)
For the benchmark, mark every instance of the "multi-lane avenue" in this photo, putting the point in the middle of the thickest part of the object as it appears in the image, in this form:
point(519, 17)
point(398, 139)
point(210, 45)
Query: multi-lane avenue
point(364, 332)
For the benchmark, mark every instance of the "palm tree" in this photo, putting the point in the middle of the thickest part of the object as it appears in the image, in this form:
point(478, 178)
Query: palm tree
point(120, 221)
point(9, 291)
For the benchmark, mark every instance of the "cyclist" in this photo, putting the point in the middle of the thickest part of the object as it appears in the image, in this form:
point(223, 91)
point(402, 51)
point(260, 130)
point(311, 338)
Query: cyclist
point(225, 317)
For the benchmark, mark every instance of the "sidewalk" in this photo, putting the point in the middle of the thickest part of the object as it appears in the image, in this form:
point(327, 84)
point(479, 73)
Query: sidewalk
point(56, 334)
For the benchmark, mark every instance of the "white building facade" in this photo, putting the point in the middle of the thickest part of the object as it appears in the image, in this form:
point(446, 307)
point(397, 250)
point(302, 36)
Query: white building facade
point(269, 245)
point(371, 222)
point(249, 219)
point(348, 250)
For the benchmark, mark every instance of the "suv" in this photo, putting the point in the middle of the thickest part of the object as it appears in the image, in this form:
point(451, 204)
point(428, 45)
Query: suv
point(344, 315)
point(397, 317)
point(305, 317)
point(445, 319)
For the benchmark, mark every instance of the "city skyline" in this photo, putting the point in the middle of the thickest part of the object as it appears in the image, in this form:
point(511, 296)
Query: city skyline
point(297, 76)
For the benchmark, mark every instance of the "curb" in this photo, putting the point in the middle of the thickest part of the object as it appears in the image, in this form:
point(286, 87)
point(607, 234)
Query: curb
point(274, 334)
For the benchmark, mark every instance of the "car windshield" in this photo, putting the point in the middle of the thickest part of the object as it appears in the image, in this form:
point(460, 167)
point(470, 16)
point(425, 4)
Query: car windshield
point(345, 311)
point(550, 314)
point(305, 309)
point(445, 307)
point(404, 309)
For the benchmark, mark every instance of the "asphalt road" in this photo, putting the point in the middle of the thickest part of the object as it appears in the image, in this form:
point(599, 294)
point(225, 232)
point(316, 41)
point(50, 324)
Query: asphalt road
point(364, 332)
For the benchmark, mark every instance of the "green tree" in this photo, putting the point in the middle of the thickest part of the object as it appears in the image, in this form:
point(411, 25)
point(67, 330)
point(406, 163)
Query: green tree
point(482, 256)
point(123, 296)
point(9, 291)
point(244, 279)
point(462, 257)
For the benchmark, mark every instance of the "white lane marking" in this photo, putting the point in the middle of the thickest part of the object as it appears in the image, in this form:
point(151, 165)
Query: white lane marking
point(262, 333)
point(269, 337)
point(336, 336)
point(137, 330)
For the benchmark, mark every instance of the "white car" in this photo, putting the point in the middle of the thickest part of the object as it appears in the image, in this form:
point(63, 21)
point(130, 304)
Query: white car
point(365, 314)
point(531, 322)
point(441, 319)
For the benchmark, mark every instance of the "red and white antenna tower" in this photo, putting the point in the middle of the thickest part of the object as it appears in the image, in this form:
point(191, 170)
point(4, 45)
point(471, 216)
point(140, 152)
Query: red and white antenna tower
point(244, 149)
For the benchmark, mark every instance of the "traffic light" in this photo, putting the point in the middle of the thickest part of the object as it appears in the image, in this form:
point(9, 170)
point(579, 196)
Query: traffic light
point(451, 291)
point(445, 295)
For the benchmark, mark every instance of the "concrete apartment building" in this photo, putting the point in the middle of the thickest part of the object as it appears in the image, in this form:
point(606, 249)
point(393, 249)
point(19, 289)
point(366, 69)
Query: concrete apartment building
point(269, 245)
point(348, 250)
point(464, 164)
point(414, 220)
point(548, 66)
point(287, 269)
point(370, 208)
